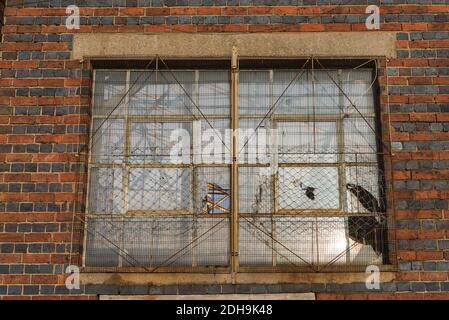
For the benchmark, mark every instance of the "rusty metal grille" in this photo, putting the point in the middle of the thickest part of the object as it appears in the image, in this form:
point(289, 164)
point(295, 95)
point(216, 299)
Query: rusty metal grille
point(310, 185)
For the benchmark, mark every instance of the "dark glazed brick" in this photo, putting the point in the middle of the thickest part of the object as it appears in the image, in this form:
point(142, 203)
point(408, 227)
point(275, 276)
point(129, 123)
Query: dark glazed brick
point(134, 289)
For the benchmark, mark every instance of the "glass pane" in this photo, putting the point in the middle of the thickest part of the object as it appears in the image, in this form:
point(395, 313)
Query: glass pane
point(326, 92)
point(103, 242)
point(162, 93)
point(308, 188)
point(357, 84)
point(295, 99)
point(360, 140)
point(297, 237)
point(304, 95)
point(215, 92)
point(255, 241)
point(157, 142)
point(109, 91)
point(170, 238)
point(297, 142)
point(255, 190)
point(212, 141)
point(109, 140)
point(214, 246)
point(105, 196)
point(168, 241)
point(255, 146)
point(333, 240)
point(137, 241)
point(254, 92)
point(318, 241)
point(159, 189)
point(213, 190)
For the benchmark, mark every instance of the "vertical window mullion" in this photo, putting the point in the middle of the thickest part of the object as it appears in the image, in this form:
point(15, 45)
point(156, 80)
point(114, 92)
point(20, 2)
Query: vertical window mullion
point(342, 164)
point(125, 167)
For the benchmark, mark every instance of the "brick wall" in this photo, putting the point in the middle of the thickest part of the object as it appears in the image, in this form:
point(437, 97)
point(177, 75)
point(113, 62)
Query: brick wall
point(44, 119)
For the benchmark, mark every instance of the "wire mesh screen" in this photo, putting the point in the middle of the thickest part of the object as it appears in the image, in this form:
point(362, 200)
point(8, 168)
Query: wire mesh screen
point(149, 206)
point(158, 242)
point(318, 202)
point(310, 186)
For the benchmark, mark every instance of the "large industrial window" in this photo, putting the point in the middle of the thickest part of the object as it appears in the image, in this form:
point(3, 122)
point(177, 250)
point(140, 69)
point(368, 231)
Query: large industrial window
point(309, 179)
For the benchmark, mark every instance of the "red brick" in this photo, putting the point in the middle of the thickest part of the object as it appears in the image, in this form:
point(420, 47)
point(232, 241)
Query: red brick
point(291, 10)
point(406, 234)
point(212, 11)
point(424, 117)
point(44, 279)
point(36, 258)
point(436, 296)
point(406, 255)
point(105, 11)
point(409, 296)
point(183, 11)
point(157, 11)
point(419, 80)
point(16, 279)
point(259, 10)
point(131, 11)
point(434, 276)
point(11, 237)
point(229, 11)
point(311, 27)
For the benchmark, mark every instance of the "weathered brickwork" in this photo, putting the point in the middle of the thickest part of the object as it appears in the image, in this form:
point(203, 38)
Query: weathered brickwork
point(44, 123)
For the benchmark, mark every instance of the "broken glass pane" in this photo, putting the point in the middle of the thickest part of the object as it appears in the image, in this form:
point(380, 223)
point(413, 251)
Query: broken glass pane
point(308, 188)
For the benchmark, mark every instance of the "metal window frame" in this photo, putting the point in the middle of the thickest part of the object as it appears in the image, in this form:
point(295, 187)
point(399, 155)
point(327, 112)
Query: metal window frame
point(234, 179)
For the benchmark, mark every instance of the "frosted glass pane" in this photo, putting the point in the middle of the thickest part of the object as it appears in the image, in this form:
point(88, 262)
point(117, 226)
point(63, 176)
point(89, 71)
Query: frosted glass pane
point(254, 92)
point(106, 194)
point(103, 243)
point(307, 141)
point(255, 141)
point(215, 92)
point(305, 95)
point(154, 142)
point(357, 85)
point(109, 91)
point(255, 241)
point(360, 140)
point(162, 93)
point(159, 189)
point(109, 141)
point(213, 249)
point(213, 141)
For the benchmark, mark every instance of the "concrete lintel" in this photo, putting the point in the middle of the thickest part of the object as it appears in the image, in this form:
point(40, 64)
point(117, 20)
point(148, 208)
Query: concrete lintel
point(159, 279)
point(219, 45)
